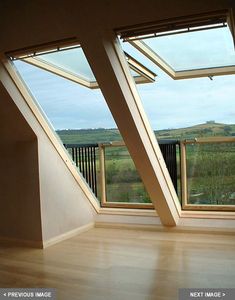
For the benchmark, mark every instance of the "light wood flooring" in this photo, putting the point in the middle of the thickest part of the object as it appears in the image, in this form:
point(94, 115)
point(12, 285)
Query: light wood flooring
point(113, 264)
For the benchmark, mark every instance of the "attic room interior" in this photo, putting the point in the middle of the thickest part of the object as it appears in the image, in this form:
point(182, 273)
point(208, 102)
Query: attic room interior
point(146, 211)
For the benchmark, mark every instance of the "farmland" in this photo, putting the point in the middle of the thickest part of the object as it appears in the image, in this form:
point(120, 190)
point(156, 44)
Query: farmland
point(210, 167)
point(82, 136)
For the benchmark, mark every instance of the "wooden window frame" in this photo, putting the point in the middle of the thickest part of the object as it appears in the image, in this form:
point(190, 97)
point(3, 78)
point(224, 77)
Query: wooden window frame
point(184, 180)
point(104, 203)
point(32, 56)
point(131, 35)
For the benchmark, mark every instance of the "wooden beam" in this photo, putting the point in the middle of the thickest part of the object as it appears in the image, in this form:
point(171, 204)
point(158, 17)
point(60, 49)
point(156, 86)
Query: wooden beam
point(114, 78)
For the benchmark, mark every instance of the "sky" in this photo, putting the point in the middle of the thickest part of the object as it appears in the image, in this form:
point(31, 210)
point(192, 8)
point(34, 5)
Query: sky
point(168, 103)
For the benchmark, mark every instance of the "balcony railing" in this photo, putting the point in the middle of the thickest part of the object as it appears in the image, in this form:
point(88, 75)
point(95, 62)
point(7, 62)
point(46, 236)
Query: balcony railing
point(202, 171)
point(111, 174)
point(84, 156)
point(121, 185)
point(208, 173)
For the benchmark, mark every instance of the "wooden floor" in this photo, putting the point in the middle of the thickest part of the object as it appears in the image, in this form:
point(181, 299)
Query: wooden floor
point(112, 264)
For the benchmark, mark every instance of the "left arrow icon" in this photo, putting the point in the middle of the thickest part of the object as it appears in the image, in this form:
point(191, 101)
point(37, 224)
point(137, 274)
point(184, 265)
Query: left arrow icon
point(4, 294)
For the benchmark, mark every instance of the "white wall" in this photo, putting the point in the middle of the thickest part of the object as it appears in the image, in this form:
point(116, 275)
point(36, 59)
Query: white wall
point(20, 216)
point(40, 198)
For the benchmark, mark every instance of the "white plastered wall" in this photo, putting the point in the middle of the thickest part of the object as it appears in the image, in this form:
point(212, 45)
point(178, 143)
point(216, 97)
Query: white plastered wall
point(63, 208)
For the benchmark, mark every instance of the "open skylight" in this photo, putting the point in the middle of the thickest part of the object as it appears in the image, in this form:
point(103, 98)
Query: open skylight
point(71, 63)
point(202, 49)
point(195, 47)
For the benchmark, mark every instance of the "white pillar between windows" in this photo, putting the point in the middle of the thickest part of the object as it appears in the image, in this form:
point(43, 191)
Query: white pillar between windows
point(112, 73)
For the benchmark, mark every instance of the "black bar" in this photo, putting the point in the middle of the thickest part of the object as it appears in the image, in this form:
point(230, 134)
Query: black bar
point(168, 149)
point(79, 155)
point(73, 154)
point(88, 165)
point(168, 142)
point(92, 169)
point(95, 173)
point(83, 164)
point(76, 156)
point(80, 145)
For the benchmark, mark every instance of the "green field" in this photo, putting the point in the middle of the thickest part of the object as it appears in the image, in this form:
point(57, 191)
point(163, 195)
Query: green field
point(211, 173)
point(210, 167)
point(82, 136)
point(123, 182)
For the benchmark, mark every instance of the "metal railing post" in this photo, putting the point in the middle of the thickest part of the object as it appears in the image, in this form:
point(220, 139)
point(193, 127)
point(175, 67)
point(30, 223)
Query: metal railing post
point(183, 169)
point(102, 174)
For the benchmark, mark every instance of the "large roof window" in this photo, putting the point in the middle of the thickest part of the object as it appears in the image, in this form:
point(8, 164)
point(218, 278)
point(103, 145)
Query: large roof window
point(189, 47)
point(70, 62)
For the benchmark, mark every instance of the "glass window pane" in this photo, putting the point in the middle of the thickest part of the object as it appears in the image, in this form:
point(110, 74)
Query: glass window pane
point(187, 108)
point(211, 173)
point(190, 108)
point(72, 60)
point(195, 50)
point(134, 73)
point(123, 183)
point(68, 105)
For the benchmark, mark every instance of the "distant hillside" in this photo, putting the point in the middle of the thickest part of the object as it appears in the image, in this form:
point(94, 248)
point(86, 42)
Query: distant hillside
point(80, 136)
point(200, 130)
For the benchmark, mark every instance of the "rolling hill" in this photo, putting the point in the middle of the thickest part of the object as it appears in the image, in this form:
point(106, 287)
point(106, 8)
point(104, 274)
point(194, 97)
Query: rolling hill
point(81, 136)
